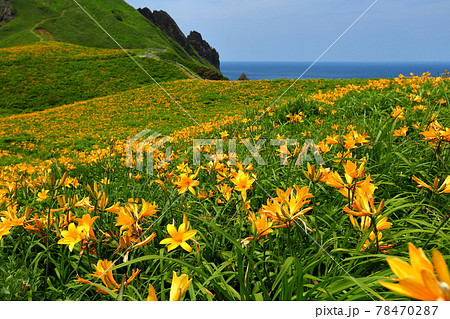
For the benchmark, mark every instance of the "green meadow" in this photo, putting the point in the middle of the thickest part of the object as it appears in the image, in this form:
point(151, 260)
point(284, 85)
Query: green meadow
point(310, 196)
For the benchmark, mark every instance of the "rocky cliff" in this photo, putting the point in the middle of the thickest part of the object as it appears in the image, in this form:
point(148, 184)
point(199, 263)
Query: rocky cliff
point(204, 49)
point(165, 22)
point(6, 12)
point(193, 43)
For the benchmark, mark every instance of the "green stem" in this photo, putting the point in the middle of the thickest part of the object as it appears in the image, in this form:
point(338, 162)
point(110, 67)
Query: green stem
point(375, 230)
point(88, 255)
point(313, 189)
point(47, 239)
point(264, 262)
point(437, 229)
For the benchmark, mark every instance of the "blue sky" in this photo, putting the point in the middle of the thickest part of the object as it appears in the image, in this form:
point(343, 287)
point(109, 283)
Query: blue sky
point(300, 30)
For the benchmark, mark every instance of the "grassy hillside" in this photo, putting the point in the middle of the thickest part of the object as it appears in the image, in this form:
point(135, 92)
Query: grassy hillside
point(63, 20)
point(279, 231)
point(38, 21)
point(51, 74)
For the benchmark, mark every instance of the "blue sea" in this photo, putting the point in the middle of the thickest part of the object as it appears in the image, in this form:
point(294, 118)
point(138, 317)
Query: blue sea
point(329, 70)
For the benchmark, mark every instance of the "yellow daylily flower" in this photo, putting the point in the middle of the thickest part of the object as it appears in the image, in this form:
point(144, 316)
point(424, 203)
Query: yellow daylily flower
point(418, 279)
point(288, 206)
point(242, 182)
point(86, 221)
point(177, 290)
point(179, 237)
point(179, 286)
point(72, 236)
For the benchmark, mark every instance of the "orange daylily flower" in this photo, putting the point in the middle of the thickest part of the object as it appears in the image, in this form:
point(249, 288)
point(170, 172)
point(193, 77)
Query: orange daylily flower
point(323, 147)
point(366, 222)
point(151, 294)
point(421, 279)
point(436, 132)
point(86, 222)
point(4, 229)
point(371, 241)
point(104, 272)
point(129, 215)
point(444, 188)
point(398, 113)
point(352, 173)
point(186, 182)
point(401, 131)
point(43, 195)
point(287, 207)
point(316, 175)
point(261, 227)
point(364, 206)
point(225, 191)
point(10, 216)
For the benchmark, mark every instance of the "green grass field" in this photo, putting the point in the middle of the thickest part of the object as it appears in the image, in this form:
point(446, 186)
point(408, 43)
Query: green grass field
point(79, 224)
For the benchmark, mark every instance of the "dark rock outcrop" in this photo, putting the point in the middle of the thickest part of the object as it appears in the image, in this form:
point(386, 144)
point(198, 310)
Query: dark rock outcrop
point(193, 44)
point(6, 12)
point(204, 49)
point(243, 77)
point(165, 22)
point(146, 12)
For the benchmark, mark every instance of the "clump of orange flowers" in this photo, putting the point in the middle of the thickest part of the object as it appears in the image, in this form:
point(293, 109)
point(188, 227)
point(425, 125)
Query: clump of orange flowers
point(436, 133)
point(103, 270)
point(288, 206)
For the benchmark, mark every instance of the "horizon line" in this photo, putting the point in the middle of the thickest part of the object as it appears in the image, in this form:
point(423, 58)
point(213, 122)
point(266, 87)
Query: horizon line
point(280, 61)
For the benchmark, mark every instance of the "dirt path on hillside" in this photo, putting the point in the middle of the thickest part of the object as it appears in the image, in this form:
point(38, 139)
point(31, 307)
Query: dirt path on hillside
point(38, 32)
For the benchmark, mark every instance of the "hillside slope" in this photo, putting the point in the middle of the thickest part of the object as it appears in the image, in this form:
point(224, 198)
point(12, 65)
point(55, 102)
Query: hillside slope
point(50, 74)
point(63, 20)
point(31, 21)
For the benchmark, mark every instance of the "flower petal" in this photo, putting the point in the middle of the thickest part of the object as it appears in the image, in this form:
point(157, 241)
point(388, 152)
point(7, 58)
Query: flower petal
point(189, 234)
point(418, 259)
point(151, 294)
point(399, 267)
point(431, 283)
point(186, 246)
point(172, 230)
point(172, 246)
point(166, 241)
point(441, 267)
